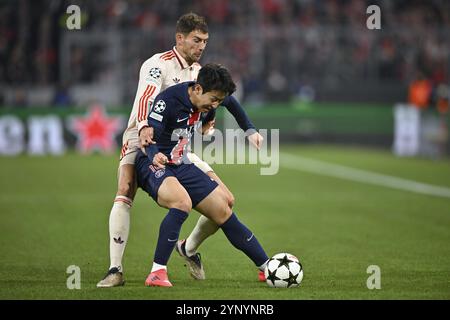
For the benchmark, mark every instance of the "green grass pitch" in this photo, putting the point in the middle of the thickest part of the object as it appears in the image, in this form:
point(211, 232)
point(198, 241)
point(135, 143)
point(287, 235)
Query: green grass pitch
point(55, 210)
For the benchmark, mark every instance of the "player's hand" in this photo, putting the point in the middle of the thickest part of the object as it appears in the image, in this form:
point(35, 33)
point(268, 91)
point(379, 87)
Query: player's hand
point(208, 128)
point(256, 140)
point(146, 137)
point(160, 160)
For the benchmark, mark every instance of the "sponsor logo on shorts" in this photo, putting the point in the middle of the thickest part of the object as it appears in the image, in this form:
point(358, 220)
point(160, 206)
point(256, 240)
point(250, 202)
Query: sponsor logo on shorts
point(160, 173)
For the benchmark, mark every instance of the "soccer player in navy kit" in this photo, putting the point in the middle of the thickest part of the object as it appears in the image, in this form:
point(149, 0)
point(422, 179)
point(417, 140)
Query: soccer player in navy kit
point(165, 173)
point(158, 73)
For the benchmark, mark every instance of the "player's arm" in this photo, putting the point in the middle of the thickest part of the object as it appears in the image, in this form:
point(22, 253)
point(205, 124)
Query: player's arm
point(235, 108)
point(150, 82)
point(157, 121)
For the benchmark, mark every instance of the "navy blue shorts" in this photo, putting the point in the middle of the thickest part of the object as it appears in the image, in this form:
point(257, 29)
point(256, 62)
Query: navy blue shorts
point(197, 183)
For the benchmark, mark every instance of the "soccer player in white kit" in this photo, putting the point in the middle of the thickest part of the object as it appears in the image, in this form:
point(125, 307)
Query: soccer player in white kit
point(159, 72)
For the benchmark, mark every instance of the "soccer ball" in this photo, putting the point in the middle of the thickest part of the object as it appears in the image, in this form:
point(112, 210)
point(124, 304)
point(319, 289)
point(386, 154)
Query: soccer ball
point(283, 270)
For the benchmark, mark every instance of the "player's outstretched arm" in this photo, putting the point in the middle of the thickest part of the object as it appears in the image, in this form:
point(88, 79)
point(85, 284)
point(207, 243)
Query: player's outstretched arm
point(235, 108)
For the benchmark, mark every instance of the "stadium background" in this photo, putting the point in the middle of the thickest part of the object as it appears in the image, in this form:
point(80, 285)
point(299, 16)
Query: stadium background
point(309, 68)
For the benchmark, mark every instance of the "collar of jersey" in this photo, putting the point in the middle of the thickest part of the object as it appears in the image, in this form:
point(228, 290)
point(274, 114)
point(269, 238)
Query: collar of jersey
point(180, 59)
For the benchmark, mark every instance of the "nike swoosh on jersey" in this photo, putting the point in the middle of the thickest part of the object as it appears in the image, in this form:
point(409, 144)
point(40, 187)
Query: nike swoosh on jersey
point(250, 238)
point(179, 120)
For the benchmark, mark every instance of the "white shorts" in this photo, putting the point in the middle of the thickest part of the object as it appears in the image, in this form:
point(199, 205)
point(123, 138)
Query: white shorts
point(131, 146)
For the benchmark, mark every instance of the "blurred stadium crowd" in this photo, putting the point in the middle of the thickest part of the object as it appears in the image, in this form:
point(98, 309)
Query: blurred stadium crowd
point(278, 50)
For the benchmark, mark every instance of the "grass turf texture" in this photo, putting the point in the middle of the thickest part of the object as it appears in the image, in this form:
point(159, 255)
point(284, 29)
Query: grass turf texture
point(55, 211)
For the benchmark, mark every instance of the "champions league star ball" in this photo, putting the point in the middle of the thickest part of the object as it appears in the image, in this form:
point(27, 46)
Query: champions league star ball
point(283, 270)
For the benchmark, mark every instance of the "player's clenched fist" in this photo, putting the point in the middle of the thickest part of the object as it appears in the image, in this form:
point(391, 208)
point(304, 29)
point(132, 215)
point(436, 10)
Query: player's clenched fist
point(146, 136)
point(160, 160)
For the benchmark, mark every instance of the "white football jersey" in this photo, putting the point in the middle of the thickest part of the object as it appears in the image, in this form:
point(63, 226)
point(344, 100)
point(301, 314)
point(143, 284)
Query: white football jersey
point(161, 71)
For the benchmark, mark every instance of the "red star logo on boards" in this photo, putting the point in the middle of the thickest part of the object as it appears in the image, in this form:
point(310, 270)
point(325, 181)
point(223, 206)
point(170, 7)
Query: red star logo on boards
point(96, 131)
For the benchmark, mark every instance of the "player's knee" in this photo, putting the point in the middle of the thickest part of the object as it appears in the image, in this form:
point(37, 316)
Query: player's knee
point(223, 214)
point(184, 204)
point(227, 213)
point(230, 199)
point(224, 211)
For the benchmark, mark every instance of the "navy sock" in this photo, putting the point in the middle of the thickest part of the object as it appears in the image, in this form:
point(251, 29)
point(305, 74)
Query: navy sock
point(169, 231)
point(243, 239)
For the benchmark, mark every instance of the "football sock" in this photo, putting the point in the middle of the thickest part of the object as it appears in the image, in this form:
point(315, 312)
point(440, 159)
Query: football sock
point(263, 266)
point(203, 229)
point(169, 231)
point(157, 266)
point(243, 239)
point(119, 227)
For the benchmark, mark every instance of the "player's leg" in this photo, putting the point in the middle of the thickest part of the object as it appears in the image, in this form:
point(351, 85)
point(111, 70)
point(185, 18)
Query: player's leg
point(119, 226)
point(228, 195)
point(171, 195)
point(187, 248)
point(215, 207)
point(211, 201)
point(119, 221)
point(205, 227)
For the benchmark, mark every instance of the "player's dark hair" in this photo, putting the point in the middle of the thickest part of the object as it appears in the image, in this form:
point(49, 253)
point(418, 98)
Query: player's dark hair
point(215, 77)
point(190, 22)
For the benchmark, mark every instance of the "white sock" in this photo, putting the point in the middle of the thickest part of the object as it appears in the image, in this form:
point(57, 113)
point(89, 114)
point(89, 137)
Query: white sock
point(263, 266)
point(202, 230)
point(156, 267)
point(119, 227)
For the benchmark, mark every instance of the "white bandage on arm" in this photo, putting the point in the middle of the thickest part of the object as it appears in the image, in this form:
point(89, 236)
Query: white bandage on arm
point(199, 163)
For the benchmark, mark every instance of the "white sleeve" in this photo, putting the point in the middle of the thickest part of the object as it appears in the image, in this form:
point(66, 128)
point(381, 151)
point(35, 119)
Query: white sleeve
point(150, 82)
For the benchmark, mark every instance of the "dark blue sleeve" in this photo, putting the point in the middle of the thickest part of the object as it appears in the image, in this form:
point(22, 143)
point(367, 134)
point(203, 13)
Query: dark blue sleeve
point(235, 108)
point(158, 121)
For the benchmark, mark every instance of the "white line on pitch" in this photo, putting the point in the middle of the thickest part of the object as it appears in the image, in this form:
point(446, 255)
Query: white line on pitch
point(338, 171)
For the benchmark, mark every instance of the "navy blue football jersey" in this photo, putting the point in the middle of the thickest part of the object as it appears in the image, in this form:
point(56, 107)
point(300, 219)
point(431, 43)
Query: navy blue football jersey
point(174, 120)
